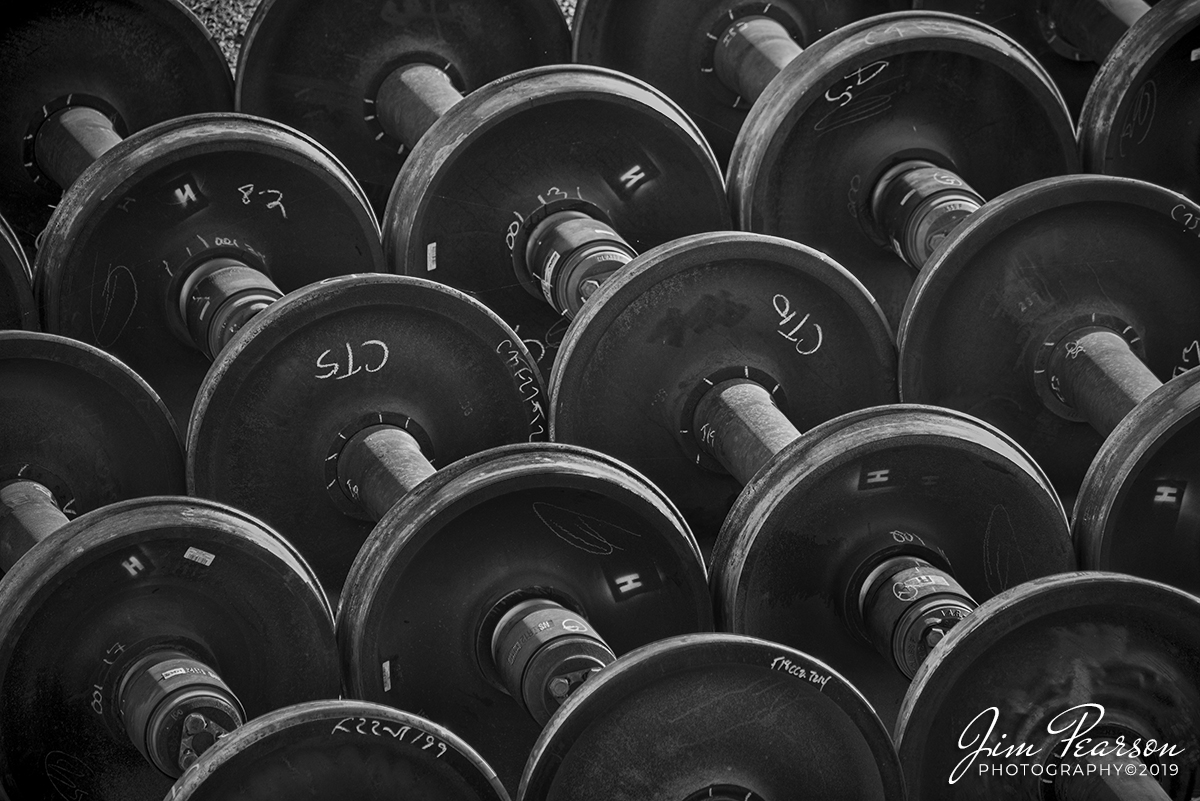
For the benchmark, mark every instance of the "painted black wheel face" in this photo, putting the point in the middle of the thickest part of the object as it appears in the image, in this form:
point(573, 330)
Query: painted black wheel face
point(161, 572)
point(1135, 512)
point(334, 750)
point(1048, 257)
point(17, 307)
point(562, 137)
point(631, 36)
point(711, 307)
point(318, 64)
point(337, 357)
point(140, 62)
point(877, 93)
point(1124, 644)
point(1026, 22)
point(552, 521)
point(714, 716)
point(1140, 119)
point(871, 485)
point(82, 424)
point(116, 254)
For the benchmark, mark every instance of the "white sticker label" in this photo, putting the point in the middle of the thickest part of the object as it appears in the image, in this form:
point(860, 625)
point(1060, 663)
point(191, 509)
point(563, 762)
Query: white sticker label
point(196, 555)
point(431, 257)
point(387, 676)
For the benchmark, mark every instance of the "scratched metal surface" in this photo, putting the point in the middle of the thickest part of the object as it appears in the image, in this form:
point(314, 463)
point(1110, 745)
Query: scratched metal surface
point(227, 20)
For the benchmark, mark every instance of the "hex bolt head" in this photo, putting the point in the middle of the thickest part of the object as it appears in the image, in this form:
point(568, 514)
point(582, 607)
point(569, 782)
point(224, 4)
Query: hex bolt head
point(934, 635)
point(560, 688)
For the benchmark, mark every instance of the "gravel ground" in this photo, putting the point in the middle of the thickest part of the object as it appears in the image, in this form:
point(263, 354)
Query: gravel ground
point(227, 20)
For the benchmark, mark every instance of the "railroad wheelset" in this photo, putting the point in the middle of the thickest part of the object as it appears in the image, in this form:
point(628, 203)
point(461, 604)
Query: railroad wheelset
point(843, 436)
